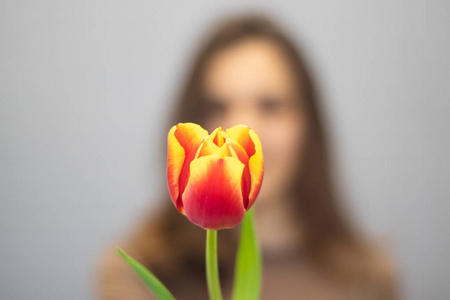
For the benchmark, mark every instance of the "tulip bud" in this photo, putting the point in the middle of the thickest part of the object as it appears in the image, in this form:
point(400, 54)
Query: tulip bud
point(214, 178)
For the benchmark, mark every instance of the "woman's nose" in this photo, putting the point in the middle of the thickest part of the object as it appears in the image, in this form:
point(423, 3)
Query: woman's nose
point(242, 115)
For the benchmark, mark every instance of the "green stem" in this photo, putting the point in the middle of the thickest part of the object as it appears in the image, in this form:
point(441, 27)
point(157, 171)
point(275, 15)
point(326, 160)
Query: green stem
point(212, 267)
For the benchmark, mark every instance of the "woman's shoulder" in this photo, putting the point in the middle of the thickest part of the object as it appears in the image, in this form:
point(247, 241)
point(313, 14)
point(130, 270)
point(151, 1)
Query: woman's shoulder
point(115, 279)
point(383, 271)
point(376, 273)
point(364, 270)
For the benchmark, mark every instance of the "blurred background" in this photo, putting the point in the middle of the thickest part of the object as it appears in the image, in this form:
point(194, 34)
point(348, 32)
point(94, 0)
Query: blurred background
point(86, 87)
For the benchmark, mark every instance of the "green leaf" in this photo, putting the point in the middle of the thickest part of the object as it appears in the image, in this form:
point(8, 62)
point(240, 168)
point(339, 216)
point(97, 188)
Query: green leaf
point(247, 275)
point(161, 292)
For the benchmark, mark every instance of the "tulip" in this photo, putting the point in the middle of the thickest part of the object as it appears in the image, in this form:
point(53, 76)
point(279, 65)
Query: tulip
point(214, 178)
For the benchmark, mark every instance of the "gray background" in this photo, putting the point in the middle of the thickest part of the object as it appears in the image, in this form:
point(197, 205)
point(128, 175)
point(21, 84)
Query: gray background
point(85, 87)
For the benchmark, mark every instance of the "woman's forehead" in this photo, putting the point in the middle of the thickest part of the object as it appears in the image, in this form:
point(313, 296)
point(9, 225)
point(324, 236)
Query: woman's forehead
point(248, 67)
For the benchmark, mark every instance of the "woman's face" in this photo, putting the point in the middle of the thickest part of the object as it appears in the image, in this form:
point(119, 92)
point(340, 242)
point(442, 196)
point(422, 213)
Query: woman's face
point(252, 83)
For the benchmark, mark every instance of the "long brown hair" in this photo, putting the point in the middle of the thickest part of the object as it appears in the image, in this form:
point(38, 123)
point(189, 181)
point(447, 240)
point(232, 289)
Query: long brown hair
point(174, 248)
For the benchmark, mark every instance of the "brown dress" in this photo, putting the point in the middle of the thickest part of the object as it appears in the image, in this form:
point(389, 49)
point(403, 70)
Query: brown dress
point(285, 276)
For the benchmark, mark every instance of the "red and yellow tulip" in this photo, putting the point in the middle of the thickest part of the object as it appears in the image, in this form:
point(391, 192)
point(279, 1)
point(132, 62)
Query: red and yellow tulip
point(214, 178)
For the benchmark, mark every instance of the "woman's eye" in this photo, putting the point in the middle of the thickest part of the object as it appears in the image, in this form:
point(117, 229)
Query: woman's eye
point(271, 105)
point(215, 108)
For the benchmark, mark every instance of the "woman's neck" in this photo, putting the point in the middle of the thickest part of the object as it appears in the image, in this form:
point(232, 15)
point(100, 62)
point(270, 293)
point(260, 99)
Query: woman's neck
point(277, 228)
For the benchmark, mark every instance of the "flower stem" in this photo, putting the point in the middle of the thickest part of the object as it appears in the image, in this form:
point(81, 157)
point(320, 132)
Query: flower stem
point(212, 267)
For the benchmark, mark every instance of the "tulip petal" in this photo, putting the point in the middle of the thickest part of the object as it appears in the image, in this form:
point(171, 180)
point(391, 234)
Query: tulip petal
point(182, 139)
point(189, 135)
point(207, 148)
point(175, 160)
point(249, 140)
point(240, 133)
point(185, 173)
point(256, 165)
point(218, 136)
point(213, 197)
point(229, 149)
point(238, 152)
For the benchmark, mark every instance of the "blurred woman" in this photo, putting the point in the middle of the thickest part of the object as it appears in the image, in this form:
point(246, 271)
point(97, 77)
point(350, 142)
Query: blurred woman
point(249, 72)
